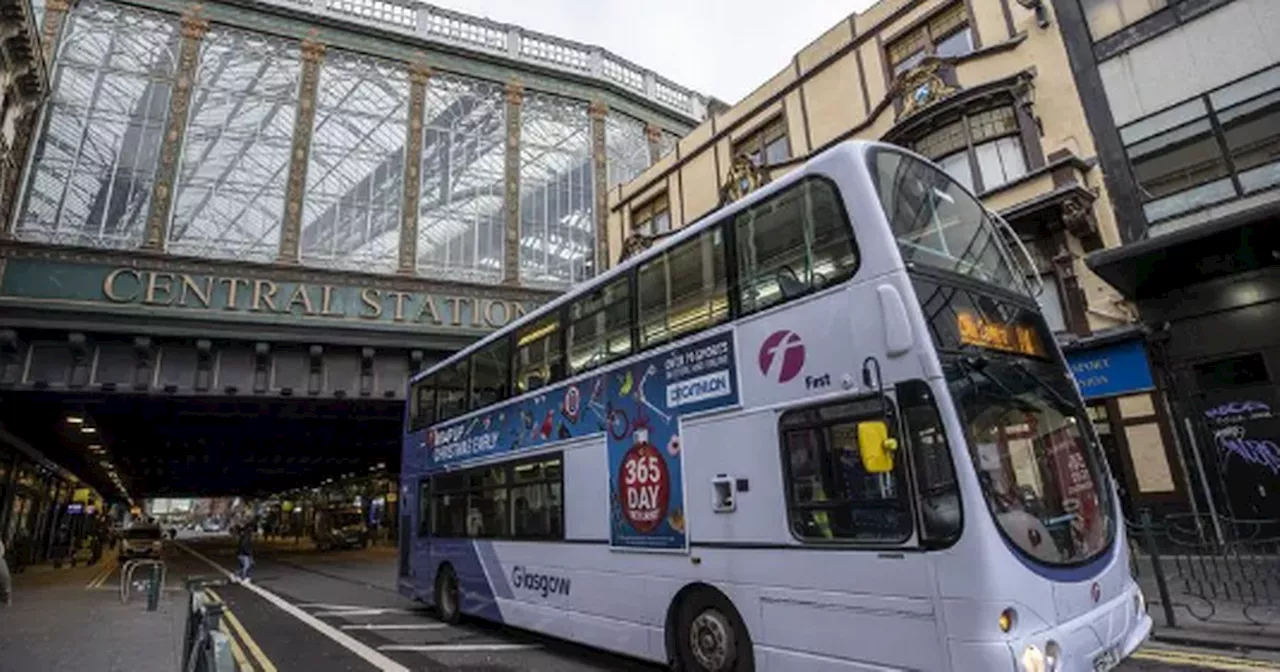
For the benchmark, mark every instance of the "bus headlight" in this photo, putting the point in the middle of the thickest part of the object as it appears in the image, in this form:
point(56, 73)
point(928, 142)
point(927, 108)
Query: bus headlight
point(1033, 659)
point(1052, 656)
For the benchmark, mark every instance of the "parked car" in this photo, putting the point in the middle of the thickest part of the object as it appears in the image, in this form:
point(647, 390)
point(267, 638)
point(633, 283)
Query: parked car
point(340, 528)
point(141, 541)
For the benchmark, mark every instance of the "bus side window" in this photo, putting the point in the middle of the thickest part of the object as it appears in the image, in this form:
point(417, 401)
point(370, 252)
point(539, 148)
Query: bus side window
point(538, 355)
point(830, 495)
point(451, 391)
point(935, 474)
point(423, 411)
point(600, 326)
point(797, 242)
point(684, 290)
point(490, 370)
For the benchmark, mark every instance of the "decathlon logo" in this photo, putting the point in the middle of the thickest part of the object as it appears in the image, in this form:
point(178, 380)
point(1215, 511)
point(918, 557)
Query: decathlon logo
point(782, 355)
point(543, 584)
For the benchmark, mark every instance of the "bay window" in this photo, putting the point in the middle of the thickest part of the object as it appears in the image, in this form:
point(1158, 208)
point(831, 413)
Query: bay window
point(980, 150)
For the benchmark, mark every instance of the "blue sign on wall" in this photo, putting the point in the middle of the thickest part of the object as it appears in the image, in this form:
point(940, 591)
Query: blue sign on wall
point(638, 407)
point(1111, 370)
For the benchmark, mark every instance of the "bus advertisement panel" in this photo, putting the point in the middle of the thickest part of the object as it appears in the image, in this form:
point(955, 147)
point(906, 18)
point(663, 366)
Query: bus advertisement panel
point(638, 407)
point(646, 466)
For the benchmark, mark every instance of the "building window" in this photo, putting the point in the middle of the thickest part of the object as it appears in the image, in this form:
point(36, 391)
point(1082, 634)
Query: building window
point(652, 218)
point(946, 35)
point(1108, 16)
point(1050, 301)
point(1214, 148)
point(830, 496)
point(765, 146)
point(982, 151)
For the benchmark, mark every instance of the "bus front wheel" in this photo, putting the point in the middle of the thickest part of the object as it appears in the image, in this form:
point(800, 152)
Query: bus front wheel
point(447, 604)
point(710, 635)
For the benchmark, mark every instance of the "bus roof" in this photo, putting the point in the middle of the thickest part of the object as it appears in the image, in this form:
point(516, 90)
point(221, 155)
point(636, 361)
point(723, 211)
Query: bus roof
point(857, 146)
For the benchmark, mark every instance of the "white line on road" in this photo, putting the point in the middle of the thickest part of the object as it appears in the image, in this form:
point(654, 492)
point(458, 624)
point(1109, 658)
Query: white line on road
point(326, 605)
point(347, 641)
point(461, 648)
point(361, 612)
point(395, 626)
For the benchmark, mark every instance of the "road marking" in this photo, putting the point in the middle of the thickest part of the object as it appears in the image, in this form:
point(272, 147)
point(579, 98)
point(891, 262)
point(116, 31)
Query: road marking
point(348, 642)
point(101, 578)
point(460, 648)
point(361, 612)
point(242, 663)
point(264, 663)
point(326, 605)
point(1178, 657)
point(395, 626)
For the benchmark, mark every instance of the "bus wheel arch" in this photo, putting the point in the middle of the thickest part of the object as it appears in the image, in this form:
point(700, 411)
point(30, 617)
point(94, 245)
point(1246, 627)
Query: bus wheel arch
point(447, 600)
point(708, 606)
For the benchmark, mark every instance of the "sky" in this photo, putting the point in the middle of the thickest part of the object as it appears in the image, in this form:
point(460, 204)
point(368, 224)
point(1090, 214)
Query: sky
point(722, 48)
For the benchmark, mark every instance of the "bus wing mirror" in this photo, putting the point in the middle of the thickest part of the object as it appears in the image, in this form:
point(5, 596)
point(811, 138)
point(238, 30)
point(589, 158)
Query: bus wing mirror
point(876, 447)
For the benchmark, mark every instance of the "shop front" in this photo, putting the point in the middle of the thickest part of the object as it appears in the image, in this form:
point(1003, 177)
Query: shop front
point(33, 499)
point(1130, 415)
point(1209, 297)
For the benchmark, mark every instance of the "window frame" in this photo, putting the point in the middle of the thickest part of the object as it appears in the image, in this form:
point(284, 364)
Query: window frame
point(606, 309)
point(902, 467)
point(1124, 24)
point(1217, 134)
point(644, 216)
point(758, 140)
point(964, 119)
point(930, 42)
point(508, 468)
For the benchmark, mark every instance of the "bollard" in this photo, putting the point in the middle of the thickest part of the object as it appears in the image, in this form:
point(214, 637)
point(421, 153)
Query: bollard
point(153, 589)
point(1150, 542)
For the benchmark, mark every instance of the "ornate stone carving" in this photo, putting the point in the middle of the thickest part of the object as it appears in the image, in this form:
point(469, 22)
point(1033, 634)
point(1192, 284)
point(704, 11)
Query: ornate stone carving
point(634, 244)
point(1077, 217)
point(419, 74)
point(193, 30)
point(744, 178)
point(312, 55)
point(653, 134)
point(922, 86)
point(511, 172)
point(598, 110)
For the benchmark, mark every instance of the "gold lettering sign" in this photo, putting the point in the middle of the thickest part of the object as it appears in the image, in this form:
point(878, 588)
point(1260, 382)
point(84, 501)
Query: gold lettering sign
point(1017, 338)
point(201, 293)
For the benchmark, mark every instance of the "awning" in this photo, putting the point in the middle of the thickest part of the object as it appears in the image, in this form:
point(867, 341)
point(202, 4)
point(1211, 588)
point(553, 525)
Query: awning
point(1234, 244)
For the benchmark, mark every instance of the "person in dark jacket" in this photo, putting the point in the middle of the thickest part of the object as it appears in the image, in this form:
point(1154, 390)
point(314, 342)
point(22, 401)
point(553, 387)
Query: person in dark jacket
point(244, 552)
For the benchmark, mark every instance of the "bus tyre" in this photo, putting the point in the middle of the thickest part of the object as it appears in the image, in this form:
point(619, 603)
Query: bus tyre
point(447, 605)
point(710, 636)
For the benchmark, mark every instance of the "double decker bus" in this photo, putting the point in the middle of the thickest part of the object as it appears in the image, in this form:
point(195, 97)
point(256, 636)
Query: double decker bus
point(824, 428)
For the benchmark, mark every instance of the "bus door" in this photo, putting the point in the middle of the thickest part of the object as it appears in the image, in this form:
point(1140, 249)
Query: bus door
point(418, 543)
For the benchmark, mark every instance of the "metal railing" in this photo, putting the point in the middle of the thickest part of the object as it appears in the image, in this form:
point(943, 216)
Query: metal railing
point(1235, 582)
point(437, 24)
point(205, 648)
point(154, 584)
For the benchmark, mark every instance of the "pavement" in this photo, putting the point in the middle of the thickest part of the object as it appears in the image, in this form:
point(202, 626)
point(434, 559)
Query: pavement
point(320, 612)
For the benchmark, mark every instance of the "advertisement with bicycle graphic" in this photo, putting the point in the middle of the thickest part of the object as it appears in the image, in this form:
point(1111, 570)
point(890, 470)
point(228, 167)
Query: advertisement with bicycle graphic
point(638, 408)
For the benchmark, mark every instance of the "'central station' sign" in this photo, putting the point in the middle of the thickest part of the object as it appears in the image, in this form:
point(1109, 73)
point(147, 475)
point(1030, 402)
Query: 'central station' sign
point(231, 296)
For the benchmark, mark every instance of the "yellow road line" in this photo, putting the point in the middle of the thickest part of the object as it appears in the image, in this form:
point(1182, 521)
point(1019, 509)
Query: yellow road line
point(101, 576)
point(1214, 662)
point(264, 663)
point(242, 663)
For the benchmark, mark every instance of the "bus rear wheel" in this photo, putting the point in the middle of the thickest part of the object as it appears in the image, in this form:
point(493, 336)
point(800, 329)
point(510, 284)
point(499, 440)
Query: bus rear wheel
point(710, 636)
point(447, 605)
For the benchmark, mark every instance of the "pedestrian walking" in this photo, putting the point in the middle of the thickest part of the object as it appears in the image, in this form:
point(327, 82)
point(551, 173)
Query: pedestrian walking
point(244, 552)
point(6, 581)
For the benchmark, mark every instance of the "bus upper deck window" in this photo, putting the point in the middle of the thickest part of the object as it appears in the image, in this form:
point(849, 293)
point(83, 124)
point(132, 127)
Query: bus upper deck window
point(538, 355)
point(795, 243)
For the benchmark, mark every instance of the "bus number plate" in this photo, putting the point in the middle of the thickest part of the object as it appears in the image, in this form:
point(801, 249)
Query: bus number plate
point(1106, 660)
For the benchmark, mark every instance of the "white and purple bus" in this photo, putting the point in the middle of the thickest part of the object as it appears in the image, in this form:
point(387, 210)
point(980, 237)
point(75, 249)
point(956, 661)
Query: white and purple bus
point(824, 428)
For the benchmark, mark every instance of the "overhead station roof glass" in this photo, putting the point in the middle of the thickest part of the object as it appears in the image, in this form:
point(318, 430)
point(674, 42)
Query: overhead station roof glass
point(94, 169)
